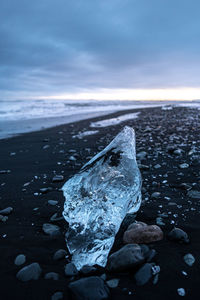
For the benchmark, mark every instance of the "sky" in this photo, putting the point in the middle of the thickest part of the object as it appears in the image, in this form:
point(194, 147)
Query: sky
point(100, 49)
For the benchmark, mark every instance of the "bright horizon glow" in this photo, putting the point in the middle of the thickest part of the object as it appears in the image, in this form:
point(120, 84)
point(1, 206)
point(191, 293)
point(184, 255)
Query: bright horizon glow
point(180, 94)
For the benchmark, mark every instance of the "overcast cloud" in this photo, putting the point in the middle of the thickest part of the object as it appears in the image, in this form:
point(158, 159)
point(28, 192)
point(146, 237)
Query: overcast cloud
point(50, 47)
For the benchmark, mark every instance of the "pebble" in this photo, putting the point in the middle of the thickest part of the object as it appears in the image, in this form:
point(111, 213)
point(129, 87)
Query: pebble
point(20, 259)
point(60, 254)
point(88, 270)
point(142, 234)
point(126, 258)
point(184, 166)
point(51, 229)
point(157, 166)
point(51, 275)
point(3, 218)
point(57, 296)
point(144, 274)
point(156, 195)
point(89, 288)
point(189, 259)
point(192, 194)
point(4, 171)
point(58, 178)
point(30, 272)
point(46, 190)
point(6, 211)
point(159, 221)
point(52, 202)
point(113, 283)
point(55, 218)
point(70, 269)
point(178, 235)
point(181, 292)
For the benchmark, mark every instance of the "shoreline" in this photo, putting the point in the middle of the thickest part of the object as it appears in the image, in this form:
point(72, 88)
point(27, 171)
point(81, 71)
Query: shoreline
point(11, 128)
point(34, 158)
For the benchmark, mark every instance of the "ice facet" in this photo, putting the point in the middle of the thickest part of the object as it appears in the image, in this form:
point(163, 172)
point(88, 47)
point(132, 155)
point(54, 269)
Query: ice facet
point(99, 197)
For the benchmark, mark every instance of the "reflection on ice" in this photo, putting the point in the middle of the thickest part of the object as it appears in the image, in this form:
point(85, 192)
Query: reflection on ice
point(99, 197)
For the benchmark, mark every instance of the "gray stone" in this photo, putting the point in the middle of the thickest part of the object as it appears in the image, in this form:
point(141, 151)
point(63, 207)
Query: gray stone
point(57, 296)
point(3, 218)
point(141, 155)
point(184, 166)
point(46, 190)
point(60, 254)
point(159, 221)
point(144, 274)
point(58, 178)
point(20, 259)
point(155, 195)
point(6, 211)
point(181, 292)
point(192, 194)
point(51, 275)
point(88, 270)
point(55, 218)
point(189, 259)
point(89, 288)
point(52, 202)
point(51, 229)
point(30, 272)
point(127, 257)
point(70, 270)
point(178, 235)
point(113, 283)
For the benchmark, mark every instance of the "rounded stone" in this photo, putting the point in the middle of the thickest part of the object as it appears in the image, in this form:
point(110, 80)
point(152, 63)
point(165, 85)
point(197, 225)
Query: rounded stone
point(143, 234)
point(60, 254)
point(20, 259)
point(30, 272)
point(51, 275)
point(178, 235)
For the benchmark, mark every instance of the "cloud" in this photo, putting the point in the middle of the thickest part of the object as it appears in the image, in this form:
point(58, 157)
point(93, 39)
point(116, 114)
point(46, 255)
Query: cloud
point(49, 47)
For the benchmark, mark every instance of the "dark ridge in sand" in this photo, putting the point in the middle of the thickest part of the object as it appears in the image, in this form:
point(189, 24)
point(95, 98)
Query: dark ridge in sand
point(36, 157)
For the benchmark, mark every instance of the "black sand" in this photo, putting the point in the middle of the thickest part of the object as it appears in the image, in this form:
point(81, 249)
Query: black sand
point(156, 130)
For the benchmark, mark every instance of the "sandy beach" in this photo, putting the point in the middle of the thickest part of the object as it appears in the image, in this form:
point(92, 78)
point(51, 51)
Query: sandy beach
point(29, 162)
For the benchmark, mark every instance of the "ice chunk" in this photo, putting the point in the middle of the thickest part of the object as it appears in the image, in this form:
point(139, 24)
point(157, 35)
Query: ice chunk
point(99, 197)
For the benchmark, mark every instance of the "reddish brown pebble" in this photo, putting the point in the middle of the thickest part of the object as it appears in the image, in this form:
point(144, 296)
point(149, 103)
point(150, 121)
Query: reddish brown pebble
point(141, 233)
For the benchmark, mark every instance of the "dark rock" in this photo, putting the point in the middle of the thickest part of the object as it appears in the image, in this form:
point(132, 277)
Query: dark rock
point(189, 259)
point(70, 270)
point(178, 235)
point(192, 194)
point(50, 229)
point(20, 259)
point(58, 178)
point(88, 270)
point(6, 211)
point(52, 276)
point(59, 254)
point(126, 258)
point(144, 274)
point(3, 218)
point(52, 202)
point(113, 283)
point(46, 190)
point(90, 288)
point(4, 171)
point(30, 272)
point(155, 195)
point(57, 296)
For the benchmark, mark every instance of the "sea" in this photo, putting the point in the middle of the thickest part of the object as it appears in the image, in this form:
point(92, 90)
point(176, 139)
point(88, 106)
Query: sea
point(20, 116)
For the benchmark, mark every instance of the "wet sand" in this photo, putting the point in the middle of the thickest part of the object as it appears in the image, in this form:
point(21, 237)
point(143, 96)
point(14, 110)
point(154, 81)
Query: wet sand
point(34, 158)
